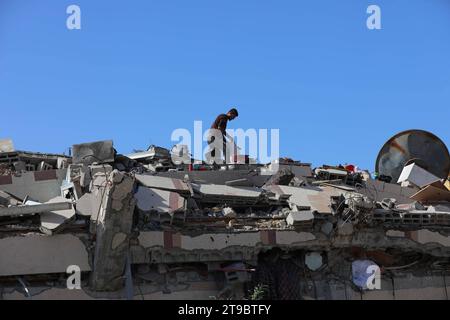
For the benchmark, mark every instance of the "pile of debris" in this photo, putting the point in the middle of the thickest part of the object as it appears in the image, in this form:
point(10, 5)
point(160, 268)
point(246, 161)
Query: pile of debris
point(157, 219)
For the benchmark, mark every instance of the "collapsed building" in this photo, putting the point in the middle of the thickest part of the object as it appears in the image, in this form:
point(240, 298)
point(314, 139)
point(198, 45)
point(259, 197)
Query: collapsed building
point(141, 226)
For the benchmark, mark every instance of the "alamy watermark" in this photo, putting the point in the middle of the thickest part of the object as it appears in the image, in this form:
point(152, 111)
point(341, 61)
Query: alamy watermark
point(374, 280)
point(73, 21)
point(74, 279)
point(373, 22)
point(366, 275)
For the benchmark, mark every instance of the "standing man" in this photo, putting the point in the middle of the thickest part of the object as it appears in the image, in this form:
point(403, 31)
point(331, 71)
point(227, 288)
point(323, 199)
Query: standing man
point(218, 128)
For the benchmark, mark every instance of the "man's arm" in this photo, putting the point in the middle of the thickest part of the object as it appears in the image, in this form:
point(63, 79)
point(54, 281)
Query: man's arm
point(222, 125)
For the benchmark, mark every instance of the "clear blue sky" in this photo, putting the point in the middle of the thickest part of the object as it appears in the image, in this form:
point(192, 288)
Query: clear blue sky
point(139, 69)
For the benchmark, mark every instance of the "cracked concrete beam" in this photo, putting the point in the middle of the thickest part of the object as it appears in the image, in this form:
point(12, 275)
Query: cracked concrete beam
point(33, 209)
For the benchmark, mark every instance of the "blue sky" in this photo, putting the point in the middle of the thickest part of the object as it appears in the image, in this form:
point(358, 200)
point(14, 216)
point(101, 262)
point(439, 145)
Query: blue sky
point(137, 70)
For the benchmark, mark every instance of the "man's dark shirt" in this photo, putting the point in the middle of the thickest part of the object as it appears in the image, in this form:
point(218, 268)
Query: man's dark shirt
point(220, 123)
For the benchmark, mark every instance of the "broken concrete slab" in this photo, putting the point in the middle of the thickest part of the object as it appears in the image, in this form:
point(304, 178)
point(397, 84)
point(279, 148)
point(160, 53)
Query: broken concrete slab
point(432, 192)
point(149, 199)
point(378, 190)
point(52, 220)
point(281, 177)
point(417, 176)
point(93, 152)
point(298, 218)
point(219, 177)
point(39, 254)
point(87, 205)
point(211, 193)
point(315, 198)
point(163, 183)
point(31, 207)
point(40, 186)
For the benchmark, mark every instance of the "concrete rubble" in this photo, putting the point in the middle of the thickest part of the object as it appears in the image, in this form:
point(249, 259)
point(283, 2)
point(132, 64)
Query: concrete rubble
point(196, 232)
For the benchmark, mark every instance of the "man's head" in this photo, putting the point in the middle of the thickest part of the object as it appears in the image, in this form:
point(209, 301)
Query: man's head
point(233, 113)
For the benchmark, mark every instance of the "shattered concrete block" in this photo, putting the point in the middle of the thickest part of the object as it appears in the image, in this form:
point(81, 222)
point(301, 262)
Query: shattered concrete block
point(314, 198)
point(297, 182)
point(52, 220)
point(299, 217)
point(281, 177)
point(87, 205)
point(93, 152)
point(229, 212)
point(149, 199)
point(164, 183)
point(417, 176)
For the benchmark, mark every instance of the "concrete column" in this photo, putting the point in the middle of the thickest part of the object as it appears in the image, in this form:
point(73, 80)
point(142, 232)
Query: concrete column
point(113, 228)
